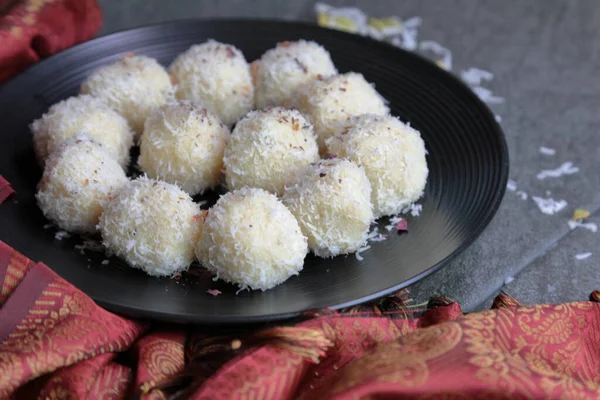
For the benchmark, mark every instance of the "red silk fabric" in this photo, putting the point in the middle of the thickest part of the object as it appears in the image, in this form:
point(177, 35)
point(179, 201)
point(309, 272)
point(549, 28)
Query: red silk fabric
point(34, 29)
point(56, 343)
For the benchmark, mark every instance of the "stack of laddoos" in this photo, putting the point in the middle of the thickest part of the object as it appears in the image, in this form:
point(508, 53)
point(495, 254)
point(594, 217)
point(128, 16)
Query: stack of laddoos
point(284, 200)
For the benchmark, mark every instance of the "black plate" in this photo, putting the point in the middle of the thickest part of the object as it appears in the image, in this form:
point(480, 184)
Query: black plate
point(468, 164)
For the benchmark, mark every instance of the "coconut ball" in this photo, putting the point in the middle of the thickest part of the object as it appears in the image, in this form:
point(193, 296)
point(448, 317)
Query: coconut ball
point(153, 225)
point(332, 202)
point(133, 86)
point(282, 70)
point(217, 76)
point(267, 148)
point(392, 154)
point(331, 101)
point(183, 144)
point(79, 178)
point(82, 114)
point(250, 239)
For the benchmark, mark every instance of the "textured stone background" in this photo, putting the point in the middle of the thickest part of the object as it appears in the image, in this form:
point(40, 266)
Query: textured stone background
point(546, 60)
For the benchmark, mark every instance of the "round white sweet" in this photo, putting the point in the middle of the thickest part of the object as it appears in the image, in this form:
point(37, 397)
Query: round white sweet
point(217, 76)
point(331, 101)
point(82, 114)
point(183, 144)
point(153, 225)
point(392, 154)
point(250, 239)
point(79, 178)
point(267, 149)
point(133, 86)
point(332, 203)
point(282, 70)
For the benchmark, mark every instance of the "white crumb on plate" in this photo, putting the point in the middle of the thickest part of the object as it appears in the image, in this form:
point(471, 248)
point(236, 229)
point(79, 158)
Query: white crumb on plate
point(590, 226)
point(511, 185)
point(508, 280)
point(362, 249)
point(582, 256)
point(566, 168)
point(375, 236)
point(549, 206)
point(547, 151)
point(60, 235)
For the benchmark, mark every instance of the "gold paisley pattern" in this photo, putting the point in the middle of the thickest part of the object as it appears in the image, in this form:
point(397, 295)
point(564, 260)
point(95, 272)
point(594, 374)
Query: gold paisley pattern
point(63, 328)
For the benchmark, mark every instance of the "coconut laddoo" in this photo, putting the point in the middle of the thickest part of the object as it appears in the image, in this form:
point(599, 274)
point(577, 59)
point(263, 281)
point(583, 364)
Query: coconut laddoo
point(217, 76)
point(332, 100)
point(82, 114)
point(282, 70)
point(251, 239)
point(267, 149)
point(392, 154)
point(332, 203)
point(153, 225)
point(183, 144)
point(79, 178)
point(133, 86)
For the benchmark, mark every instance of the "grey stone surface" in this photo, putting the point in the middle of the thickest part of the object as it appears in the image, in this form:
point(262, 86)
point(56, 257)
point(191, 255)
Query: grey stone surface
point(545, 58)
point(558, 276)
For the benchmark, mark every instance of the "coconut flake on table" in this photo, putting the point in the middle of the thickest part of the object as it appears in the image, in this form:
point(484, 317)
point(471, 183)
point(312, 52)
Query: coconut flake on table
point(549, 206)
point(498, 118)
point(590, 226)
point(566, 168)
point(511, 185)
point(446, 55)
point(547, 151)
point(522, 194)
point(474, 78)
point(582, 256)
point(105, 262)
point(508, 280)
point(214, 292)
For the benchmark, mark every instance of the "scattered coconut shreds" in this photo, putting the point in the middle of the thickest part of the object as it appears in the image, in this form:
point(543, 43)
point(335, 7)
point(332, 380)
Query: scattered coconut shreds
point(105, 262)
point(508, 280)
point(375, 236)
point(445, 60)
point(511, 185)
point(565, 169)
point(47, 226)
point(176, 276)
point(214, 292)
point(549, 206)
point(580, 214)
point(547, 151)
point(362, 249)
point(91, 245)
point(498, 118)
point(415, 209)
point(60, 235)
point(522, 194)
point(582, 256)
point(590, 226)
